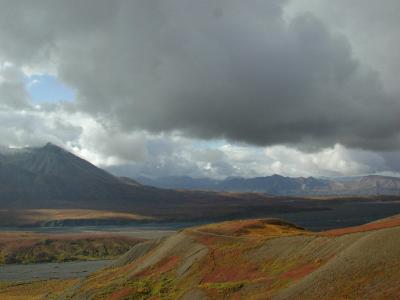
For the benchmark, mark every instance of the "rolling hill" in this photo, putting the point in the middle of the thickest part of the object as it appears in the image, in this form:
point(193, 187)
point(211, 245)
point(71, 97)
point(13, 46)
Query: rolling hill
point(256, 259)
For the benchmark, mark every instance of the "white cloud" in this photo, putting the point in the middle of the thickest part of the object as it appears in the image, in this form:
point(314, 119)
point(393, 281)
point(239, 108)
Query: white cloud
point(106, 146)
point(335, 160)
point(33, 82)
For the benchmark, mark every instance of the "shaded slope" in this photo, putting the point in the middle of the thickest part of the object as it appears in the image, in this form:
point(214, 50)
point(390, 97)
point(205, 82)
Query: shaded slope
point(51, 177)
point(255, 259)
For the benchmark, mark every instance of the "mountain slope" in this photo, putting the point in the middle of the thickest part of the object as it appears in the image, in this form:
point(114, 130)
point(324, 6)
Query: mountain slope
point(52, 178)
point(256, 259)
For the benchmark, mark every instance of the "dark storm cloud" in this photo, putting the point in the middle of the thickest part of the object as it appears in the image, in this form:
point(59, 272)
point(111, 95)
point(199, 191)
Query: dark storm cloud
point(209, 69)
point(372, 29)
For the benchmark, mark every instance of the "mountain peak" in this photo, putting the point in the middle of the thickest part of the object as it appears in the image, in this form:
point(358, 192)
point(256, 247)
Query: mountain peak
point(49, 144)
point(52, 147)
point(276, 176)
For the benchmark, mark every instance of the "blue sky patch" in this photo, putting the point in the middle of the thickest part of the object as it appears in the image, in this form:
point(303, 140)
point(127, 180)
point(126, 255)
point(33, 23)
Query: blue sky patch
point(47, 88)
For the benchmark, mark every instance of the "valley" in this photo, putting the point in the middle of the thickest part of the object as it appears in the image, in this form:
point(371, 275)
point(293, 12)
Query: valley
point(87, 234)
point(199, 150)
point(51, 186)
point(253, 258)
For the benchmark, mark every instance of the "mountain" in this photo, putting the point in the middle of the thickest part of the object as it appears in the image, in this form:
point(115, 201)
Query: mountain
point(180, 182)
point(51, 178)
point(374, 184)
point(285, 186)
point(274, 185)
point(256, 259)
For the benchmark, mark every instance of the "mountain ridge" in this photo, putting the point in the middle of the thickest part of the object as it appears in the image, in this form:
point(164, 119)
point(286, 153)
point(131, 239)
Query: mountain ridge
point(50, 177)
point(284, 186)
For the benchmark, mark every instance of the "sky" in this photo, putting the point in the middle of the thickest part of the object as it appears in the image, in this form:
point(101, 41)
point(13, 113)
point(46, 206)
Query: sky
point(210, 88)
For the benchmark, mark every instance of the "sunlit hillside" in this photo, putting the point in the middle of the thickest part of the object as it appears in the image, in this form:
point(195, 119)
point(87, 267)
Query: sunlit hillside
point(256, 259)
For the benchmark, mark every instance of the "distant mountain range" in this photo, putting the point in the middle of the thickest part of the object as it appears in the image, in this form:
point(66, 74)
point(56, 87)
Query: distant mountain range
point(50, 177)
point(284, 186)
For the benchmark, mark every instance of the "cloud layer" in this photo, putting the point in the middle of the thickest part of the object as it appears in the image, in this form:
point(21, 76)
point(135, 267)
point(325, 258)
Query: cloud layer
point(210, 69)
point(152, 78)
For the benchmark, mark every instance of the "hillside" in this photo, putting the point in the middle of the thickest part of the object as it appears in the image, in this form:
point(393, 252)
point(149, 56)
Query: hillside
point(256, 259)
point(285, 186)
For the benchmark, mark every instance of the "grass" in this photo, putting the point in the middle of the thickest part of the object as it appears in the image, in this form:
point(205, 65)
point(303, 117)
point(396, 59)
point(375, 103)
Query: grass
point(35, 217)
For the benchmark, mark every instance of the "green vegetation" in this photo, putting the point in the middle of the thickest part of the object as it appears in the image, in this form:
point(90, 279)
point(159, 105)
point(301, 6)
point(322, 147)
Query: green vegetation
point(60, 249)
point(148, 287)
point(224, 288)
point(141, 289)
